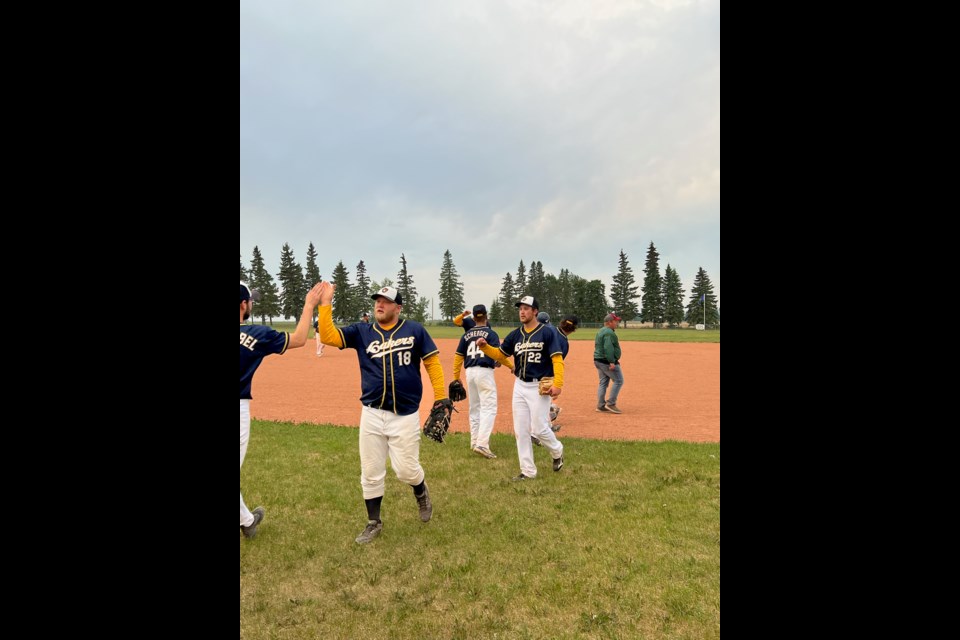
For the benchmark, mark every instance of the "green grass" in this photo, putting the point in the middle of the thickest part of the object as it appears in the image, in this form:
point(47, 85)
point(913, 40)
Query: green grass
point(624, 542)
point(625, 335)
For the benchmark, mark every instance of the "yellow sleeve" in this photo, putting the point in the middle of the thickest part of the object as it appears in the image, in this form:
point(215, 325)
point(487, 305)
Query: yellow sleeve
point(329, 334)
point(497, 355)
point(458, 320)
point(557, 370)
point(457, 364)
point(435, 371)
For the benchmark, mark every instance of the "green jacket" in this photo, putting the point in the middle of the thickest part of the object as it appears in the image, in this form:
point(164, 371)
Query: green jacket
point(606, 347)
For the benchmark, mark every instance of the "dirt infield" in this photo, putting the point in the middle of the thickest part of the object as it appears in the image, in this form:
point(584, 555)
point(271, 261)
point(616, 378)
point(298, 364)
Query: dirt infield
point(671, 391)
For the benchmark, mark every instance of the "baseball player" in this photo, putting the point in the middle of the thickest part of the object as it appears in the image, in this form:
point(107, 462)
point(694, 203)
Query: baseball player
point(481, 384)
point(568, 325)
point(257, 342)
point(537, 353)
point(464, 320)
point(389, 351)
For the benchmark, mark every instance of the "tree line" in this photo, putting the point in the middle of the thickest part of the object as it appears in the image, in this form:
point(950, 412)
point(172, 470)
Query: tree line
point(661, 300)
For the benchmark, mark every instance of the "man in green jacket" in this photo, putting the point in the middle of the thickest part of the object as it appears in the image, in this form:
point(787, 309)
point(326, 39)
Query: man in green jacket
point(606, 357)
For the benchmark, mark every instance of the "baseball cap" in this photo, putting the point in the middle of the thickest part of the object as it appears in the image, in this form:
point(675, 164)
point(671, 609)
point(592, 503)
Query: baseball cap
point(611, 316)
point(389, 293)
point(246, 293)
point(543, 317)
point(529, 301)
point(479, 310)
point(570, 323)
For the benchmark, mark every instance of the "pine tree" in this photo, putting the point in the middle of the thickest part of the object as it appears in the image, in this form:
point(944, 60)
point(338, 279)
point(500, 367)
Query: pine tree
point(361, 291)
point(507, 299)
point(590, 299)
point(243, 272)
point(291, 282)
point(623, 293)
point(495, 312)
point(451, 288)
point(672, 297)
point(701, 295)
point(520, 283)
point(652, 295)
point(343, 295)
point(417, 310)
point(262, 281)
point(408, 292)
point(535, 283)
point(313, 271)
point(564, 295)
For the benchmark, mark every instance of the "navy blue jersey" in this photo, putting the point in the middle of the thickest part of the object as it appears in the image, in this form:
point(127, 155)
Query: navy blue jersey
point(257, 341)
point(390, 363)
point(564, 343)
point(472, 355)
point(532, 352)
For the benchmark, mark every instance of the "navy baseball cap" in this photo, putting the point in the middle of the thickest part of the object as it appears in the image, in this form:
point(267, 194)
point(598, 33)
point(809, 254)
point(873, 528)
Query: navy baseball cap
point(246, 293)
point(543, 317)
point(528, 300)
point(389, 293)
point(479, 310)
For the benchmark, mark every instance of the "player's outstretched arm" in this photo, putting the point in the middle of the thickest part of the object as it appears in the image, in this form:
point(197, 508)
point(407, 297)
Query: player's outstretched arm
point(494, 353)
point(329, 334)
point(299, 337)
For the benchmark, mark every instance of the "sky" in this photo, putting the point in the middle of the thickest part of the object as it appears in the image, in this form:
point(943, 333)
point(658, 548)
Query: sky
point(562, 131)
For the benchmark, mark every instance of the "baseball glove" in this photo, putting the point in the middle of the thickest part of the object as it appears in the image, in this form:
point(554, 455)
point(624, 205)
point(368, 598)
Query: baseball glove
point(545, 385)
point(457, 392)
point(438, 421)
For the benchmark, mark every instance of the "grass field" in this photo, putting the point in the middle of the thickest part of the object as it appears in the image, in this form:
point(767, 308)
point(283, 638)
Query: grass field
point(625, 335)
point(624, 542)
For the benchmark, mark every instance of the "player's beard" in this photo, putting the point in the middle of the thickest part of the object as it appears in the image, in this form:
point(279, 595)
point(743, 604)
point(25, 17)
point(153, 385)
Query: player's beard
point(246, 314)
point(387, 318)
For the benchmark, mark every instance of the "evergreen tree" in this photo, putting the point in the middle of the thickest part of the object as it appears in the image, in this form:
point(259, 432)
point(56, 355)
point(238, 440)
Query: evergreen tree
point(623, 293)
point(343, 295)
point(590, 299)
point(416, 310)
point(701, 295)
point(291, 282)
point(536, 282)
point(313, 271)
point(652, 295)
point(520, 283)
point(408, 292)
point(361, 292)
point(549, 299)
point(262, 281)
point(495, 311)
point(451, 288)
point(672, 297)
point(243, 272)
point(564, 295)
point(507, 299)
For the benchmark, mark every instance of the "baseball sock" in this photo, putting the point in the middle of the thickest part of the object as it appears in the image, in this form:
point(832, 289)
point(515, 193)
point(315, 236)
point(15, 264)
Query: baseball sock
point(373, 508)
point(420, 488)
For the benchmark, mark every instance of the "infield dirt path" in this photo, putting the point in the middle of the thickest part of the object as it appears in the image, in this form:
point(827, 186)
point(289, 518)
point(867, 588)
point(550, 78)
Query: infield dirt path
point(671, 391)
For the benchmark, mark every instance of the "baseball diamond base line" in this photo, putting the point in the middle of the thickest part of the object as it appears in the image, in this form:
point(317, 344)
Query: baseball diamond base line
point(671, 391)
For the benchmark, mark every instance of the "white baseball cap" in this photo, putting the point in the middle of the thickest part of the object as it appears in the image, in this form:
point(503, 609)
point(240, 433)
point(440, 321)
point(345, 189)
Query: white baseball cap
point(389, 293)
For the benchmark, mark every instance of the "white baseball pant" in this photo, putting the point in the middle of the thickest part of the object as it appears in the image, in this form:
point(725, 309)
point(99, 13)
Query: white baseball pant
point(531, 417)
point(482, 391)
point(246, 518)
point(383, 433)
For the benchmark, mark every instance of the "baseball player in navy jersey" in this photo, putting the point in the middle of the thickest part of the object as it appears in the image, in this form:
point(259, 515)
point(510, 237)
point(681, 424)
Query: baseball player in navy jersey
point(389, 351)
point(567, 326)
point(481, 384)
point(257, 342)
point(537, 353)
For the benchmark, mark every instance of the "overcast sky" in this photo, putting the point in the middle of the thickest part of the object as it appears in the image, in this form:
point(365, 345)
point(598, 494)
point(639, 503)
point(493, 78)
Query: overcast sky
point(558, 131)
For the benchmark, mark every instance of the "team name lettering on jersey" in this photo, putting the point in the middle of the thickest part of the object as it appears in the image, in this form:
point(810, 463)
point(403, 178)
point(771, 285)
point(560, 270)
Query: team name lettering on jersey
point(528, 346)
point(247, 341)
point(378, 350)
